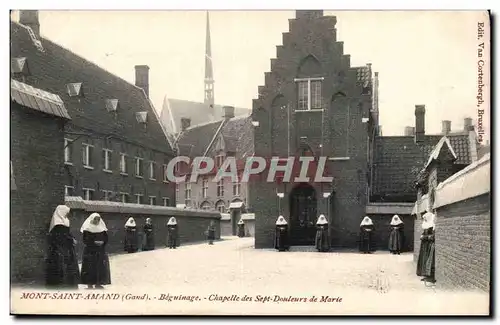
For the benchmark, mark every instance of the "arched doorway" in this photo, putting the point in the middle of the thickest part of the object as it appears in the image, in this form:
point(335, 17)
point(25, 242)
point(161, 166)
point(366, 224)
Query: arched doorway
point(303, 214)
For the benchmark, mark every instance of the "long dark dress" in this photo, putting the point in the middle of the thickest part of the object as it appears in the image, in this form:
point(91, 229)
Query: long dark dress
point(172, 236)
point(366, 244)
point(396, 239)
point(241, 230)
point(61, 264)
point(149, 241)
point(426, 257)
point(211, 234)
point(131, 240)
point(281, 242)
point(95, 265)
point(322, 239)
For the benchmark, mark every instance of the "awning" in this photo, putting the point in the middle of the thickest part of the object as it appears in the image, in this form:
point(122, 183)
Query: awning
point(225, 216)
point(235, 205)
point(13, 186)
point(37, 99)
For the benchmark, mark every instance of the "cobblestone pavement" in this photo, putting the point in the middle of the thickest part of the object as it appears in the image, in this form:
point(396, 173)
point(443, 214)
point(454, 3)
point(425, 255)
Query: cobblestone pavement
point(215, 280)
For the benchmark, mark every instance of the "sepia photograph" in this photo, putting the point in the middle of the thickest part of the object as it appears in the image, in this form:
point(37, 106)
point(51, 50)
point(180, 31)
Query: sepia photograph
point(250, 162)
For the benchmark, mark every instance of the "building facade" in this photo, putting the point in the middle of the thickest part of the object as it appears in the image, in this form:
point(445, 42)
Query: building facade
point(115, 147)
point(37, 120)
point(230, 137)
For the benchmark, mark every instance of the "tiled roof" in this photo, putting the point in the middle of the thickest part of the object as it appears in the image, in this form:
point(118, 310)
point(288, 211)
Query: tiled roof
point(37, 99)
point(398, 161)
point(56, 67)
point(237, 133)
point(199, 113)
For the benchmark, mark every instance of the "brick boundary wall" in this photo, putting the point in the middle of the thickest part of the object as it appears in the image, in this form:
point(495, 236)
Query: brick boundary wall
point(463, 244)
point(192, 224)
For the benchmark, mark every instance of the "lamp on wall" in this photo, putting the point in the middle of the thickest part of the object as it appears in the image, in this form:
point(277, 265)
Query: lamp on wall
point(255, 123)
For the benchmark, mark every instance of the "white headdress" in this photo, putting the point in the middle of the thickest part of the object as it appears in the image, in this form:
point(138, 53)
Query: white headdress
point(90, 227)
point(396, 220)
point(130, 222)
point(60, 217)
point(366, 222)
point(281, 221)
point(428, 221)
point(322, 220)
point(172, 222)
point(148, 220)
point(241, 222)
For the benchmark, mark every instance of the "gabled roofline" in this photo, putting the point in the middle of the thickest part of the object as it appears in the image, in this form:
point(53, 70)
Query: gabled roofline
point(214, 137)
point(437, 150)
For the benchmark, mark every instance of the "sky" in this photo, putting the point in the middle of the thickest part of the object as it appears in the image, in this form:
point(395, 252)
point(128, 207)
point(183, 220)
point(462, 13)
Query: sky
point(423, 57)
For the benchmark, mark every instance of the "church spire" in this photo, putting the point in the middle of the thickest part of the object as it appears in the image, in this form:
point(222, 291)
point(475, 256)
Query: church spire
point(209, 73)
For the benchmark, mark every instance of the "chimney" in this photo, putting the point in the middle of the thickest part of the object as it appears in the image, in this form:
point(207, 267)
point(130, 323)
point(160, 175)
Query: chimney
point(308, 14)
point(30, 18)
point(445, 127)
point(409, 131)
point(419, 123)
point(228, 112)
point(142, 78)
point(468, 124)
point(185, 123)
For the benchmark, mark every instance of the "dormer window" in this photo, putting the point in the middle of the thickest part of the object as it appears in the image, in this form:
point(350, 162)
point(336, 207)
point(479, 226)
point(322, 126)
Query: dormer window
point(111, 105)
point(19, 66)
point(75, 89)
point(309, 93)
point(141, 117)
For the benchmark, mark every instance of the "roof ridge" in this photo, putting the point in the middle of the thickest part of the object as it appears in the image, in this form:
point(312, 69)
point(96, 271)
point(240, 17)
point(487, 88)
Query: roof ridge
point(214, 137)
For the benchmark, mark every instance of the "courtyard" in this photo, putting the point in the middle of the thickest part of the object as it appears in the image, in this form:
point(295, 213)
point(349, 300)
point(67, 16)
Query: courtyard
point(231, 277)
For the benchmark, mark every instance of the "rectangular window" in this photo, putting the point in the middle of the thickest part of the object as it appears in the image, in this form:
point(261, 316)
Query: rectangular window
point(68, 190)
point(106, 160)
point(106, 195)
point(236, 188)
point(123, 164)
point(166, 201)
point(165, 174)
point(177, 186)
point(88, 194)
point(219, 160)
point(138, 198)
point(309, 94)
point(87, 155)
point(68, 151)
point(220, 188)
point(152, 170)
point(187, 191)
point(124, 197)
point(138, 167)
point(152, 200)
point(204, 189)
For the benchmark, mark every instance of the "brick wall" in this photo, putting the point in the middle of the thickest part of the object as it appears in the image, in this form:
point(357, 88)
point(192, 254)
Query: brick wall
point(191, 228)
point(463, 244)
point(36, 144)
point(310, 49)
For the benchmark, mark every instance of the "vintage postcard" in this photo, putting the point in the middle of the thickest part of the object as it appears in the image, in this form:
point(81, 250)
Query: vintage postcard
point(294, 162)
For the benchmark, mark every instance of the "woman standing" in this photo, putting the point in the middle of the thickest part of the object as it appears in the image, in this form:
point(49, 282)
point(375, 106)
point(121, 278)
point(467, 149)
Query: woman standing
point(426, 258)
point(172, 233)
point(241, 228)
point(366, 236)
point(211, 233)
point(95, 265)
point(322, 238)
point(61, 264)
point(396, 237)
point(281, 242)
point(149, 241)
point(131, 236)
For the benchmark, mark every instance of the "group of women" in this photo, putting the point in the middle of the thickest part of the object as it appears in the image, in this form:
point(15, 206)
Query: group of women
point(62, 269)
point(131, 241)
point(322, 240)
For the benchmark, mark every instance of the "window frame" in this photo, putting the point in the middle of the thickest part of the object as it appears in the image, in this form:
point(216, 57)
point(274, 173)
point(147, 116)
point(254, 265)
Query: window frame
point(88, 162)
point(90, 192)
point(152, 198)
point(68, 151)
point(138, 198)
point(123, 164)
point(309, 93)
point(107, 160)
point(204, 187)
point(141, 169)
point(66, 187)
point(220, 188)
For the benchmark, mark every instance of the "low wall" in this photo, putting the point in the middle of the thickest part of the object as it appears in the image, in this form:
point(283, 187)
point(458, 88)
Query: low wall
point(192, 224)
point(226, 225)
